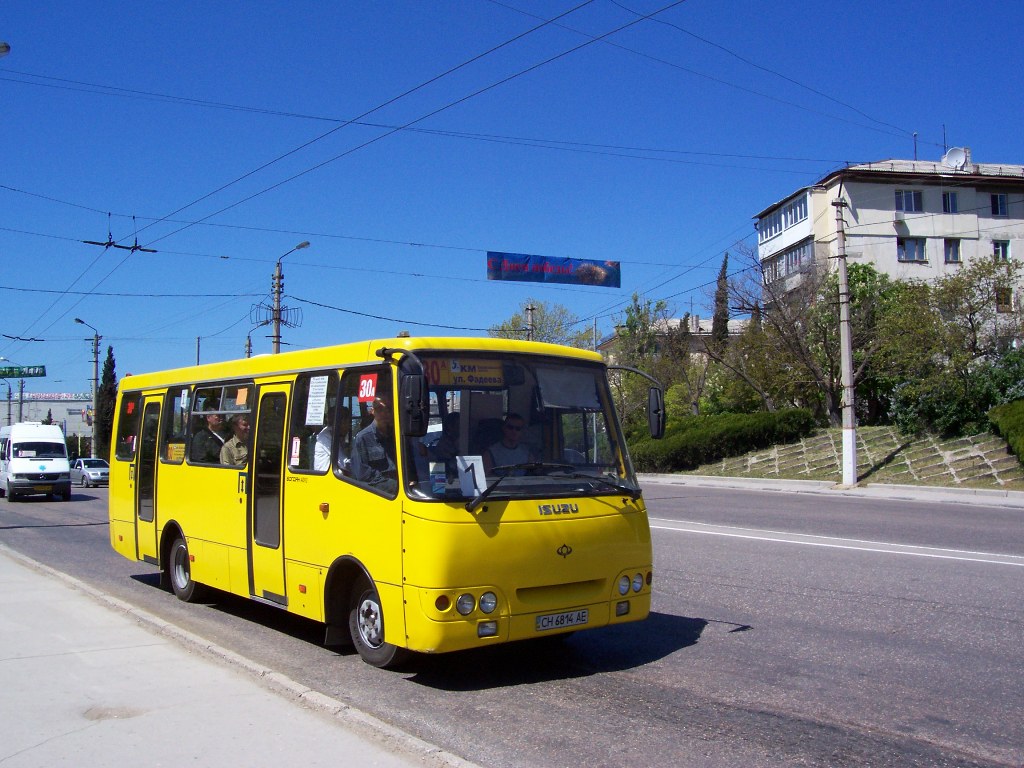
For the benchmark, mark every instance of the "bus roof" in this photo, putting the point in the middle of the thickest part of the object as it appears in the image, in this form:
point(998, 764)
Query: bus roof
point(342, 355)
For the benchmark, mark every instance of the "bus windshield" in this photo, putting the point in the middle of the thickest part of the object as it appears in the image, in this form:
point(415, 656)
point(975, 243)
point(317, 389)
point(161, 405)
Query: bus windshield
point(39, 450)
point(538, 427)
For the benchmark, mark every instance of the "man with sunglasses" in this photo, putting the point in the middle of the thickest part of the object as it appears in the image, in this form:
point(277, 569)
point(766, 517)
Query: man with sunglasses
point(509, 450)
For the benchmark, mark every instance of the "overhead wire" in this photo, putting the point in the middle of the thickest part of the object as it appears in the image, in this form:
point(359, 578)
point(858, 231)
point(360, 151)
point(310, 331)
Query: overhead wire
point(303, 146)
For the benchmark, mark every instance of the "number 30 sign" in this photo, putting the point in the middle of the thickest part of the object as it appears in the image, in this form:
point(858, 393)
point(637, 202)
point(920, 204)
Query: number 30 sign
point(367, 387)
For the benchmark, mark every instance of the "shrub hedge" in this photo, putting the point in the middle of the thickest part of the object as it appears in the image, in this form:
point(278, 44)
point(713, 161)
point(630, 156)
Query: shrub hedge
point(699, 440)
point(1008, 422)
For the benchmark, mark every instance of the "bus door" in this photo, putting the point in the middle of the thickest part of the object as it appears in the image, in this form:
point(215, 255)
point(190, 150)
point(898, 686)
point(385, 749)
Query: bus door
point(146, 463)
point(266, 500)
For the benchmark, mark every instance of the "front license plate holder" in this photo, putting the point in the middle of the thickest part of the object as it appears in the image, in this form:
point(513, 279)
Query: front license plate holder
point(551, 621)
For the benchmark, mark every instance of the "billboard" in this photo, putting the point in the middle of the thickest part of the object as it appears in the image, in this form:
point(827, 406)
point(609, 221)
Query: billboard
point(546, 269)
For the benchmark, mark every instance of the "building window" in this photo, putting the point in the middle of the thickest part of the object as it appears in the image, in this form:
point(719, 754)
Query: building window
point(999, 205)
point(950, 204)
point(910, 249)
point(1004, 300)
point(909, 200)
point(794, 212)
point(1001, 250)
point(769, 226)
point(951, 249)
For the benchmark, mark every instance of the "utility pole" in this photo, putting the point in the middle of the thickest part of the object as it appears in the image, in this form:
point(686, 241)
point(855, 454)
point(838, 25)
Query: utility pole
point(529, 322)
point(278, 288)
point(846, 352)
point(95, 381)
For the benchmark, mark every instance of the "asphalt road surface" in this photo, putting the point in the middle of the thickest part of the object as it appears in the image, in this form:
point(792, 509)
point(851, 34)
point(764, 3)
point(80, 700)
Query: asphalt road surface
point(788, 629)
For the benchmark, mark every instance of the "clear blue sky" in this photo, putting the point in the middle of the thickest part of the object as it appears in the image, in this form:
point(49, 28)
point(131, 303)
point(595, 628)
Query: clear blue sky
point(653, 146)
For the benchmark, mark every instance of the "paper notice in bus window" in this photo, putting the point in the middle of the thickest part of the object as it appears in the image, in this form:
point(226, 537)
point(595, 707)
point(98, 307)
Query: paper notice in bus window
point(294, 458)
point(367, 387)
point(472, 479)
point(241, 396)
point(317, 401)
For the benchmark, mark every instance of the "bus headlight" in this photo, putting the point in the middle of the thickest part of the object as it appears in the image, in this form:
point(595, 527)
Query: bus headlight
point(623, 585)
point(638, 582)
point(465, 604)
point(488, 602)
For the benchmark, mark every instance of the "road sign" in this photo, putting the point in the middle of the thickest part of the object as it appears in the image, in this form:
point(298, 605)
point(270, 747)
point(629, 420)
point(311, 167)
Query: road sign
point(22, 371)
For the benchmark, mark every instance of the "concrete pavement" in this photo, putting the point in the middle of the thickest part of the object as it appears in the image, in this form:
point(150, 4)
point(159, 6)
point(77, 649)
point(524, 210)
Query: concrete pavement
point(88, 680)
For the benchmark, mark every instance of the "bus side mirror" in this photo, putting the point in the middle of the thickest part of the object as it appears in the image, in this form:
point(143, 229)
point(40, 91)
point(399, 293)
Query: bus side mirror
point(656, 412)
point(415, 405)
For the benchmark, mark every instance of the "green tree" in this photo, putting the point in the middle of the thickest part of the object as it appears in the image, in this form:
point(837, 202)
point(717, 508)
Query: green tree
point(103, 421)
point(799, 330)
point(49, 416)
point(637, 345)
point(720, 317)
point(947, 356)
point(552, 323)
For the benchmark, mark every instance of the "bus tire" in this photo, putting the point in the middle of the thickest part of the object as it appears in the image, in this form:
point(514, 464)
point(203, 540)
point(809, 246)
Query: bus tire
point(366, 625)
point(180, 572)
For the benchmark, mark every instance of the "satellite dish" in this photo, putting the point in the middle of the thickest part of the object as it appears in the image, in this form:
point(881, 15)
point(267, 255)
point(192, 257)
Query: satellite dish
point(955, 158)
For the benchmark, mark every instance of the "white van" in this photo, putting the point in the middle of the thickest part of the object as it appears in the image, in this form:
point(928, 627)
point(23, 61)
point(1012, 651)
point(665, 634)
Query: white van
point(34, 460)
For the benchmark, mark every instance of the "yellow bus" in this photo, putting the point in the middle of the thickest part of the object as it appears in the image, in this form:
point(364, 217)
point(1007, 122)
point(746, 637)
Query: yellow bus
point(426, 495)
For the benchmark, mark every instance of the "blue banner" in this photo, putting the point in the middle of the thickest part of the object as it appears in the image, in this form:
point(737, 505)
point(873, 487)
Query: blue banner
point(545, 269)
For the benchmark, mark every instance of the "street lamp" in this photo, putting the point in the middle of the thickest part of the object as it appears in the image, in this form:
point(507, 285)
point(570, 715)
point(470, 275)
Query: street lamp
point(248, 337)
point(95, 379)
point(278, 288)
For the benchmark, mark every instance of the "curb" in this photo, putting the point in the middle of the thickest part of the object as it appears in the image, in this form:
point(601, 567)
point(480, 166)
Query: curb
point(281, 685)
point(922, 493)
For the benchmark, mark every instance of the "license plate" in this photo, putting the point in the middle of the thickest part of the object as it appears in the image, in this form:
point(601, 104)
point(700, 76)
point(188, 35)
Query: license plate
point(44, 487)
point(562, 620)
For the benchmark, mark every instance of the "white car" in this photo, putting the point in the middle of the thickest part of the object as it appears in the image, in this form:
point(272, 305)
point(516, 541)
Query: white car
point(90, 472)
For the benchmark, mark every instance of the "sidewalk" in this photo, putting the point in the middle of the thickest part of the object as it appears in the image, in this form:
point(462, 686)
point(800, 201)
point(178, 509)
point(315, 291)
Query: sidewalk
point(918, 493)
point(87, 680)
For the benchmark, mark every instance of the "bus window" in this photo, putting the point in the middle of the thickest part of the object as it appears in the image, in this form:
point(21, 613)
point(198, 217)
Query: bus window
point(128, 426)
point(368, 393)
point(175, 426)
point(212, 407)
point(313, 427)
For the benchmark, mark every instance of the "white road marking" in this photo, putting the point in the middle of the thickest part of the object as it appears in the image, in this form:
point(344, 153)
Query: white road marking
point(810, 540)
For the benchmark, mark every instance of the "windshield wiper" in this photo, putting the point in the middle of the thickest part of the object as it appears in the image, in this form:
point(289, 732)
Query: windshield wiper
point(507, 470)
point(633, 493)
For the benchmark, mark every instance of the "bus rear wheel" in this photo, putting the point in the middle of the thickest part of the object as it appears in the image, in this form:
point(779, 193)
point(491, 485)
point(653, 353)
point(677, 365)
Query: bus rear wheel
point(179, 568)
point(366, 625)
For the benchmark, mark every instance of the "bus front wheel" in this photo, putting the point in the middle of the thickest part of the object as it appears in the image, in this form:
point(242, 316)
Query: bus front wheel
point(180, 570)
point(366, 625)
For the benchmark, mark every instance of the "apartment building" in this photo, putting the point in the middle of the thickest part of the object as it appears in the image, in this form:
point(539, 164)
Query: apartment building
point(909, 219)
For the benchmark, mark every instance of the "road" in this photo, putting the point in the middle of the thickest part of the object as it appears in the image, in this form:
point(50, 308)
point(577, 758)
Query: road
point(788, 629)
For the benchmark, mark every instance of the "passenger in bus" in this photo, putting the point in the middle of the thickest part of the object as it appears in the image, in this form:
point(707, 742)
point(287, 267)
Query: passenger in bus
point(447, 446)
point(509, 450)
point(207, 443)
point(373, 451)
point(322, 450)
point(235, 452)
